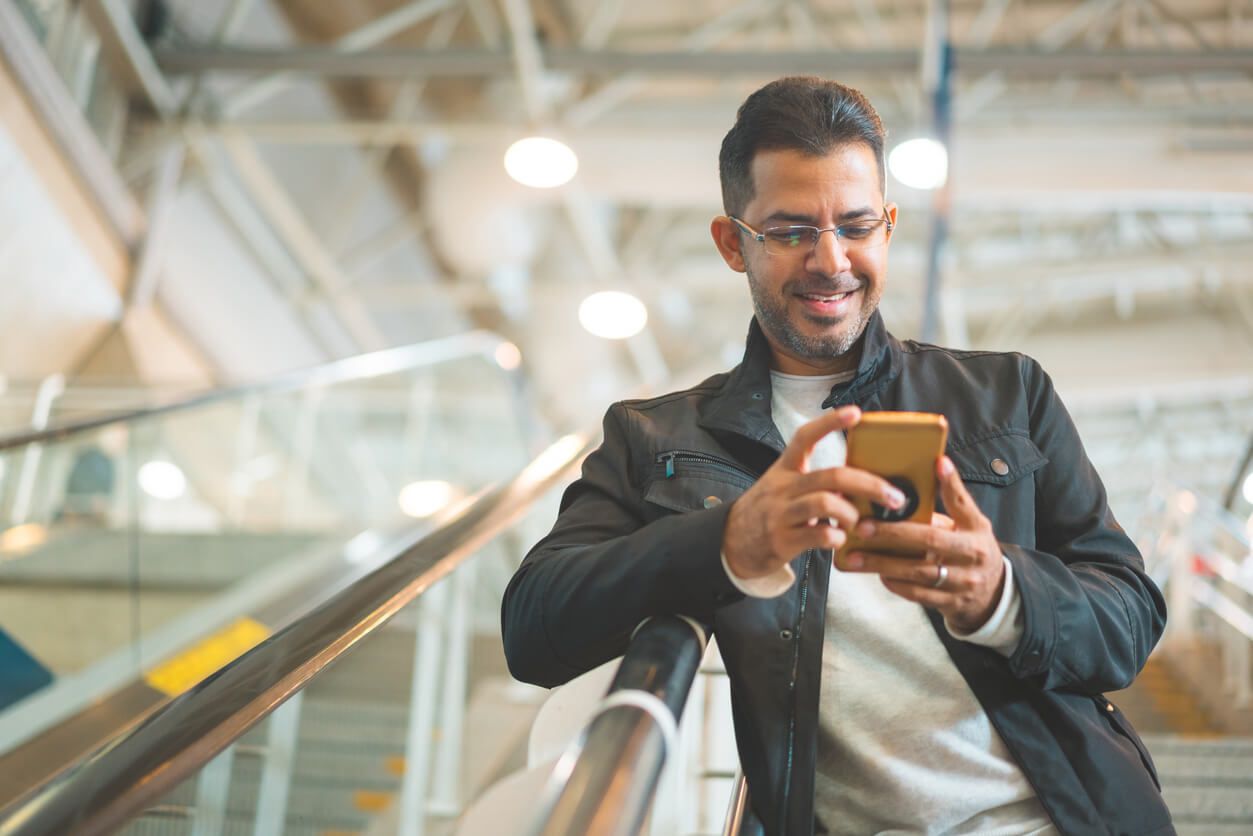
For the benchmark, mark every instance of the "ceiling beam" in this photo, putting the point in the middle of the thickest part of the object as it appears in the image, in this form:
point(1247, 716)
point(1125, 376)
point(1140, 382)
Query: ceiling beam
point(324, 62)
point(127, 56)
point(365, 37)
point(61, 117)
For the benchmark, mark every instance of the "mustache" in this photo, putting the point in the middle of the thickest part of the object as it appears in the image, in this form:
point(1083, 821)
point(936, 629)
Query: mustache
point(826, 287)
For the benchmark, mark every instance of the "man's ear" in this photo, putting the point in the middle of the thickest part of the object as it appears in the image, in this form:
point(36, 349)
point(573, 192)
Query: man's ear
point(728, 240)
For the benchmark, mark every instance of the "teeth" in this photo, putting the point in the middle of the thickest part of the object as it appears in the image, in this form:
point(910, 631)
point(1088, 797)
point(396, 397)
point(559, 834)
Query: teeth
point(826, 298)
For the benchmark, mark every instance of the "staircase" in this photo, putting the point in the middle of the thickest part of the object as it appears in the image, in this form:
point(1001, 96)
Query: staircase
point(350, 749)
point(1206, 775)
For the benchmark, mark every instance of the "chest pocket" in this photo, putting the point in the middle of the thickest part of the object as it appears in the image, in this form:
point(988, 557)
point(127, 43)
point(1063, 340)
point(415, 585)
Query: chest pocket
point(689, 481)
point(999, 460)
point(996, 471)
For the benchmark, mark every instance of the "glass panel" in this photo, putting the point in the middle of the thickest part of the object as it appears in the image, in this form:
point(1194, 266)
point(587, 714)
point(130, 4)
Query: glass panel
point(149, 554)
point(65, 550)
point(401, 735)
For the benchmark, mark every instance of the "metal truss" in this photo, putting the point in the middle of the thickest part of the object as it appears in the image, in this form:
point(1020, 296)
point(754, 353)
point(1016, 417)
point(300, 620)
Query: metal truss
point(431, 76)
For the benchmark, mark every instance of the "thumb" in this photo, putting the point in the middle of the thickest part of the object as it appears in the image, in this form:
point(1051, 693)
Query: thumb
point(957, 500)
point(807, 435)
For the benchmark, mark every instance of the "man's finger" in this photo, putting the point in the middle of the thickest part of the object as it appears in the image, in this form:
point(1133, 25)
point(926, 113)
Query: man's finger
point(796, 454)
point(953, 546)
point(820, 505)
point(923, 594)
point(803, 538)
point(957, 500)
point(849, 481)
point(911, 570)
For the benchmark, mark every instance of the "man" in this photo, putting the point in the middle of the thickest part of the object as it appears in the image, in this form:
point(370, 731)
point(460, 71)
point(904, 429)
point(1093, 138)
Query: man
point(959, 693)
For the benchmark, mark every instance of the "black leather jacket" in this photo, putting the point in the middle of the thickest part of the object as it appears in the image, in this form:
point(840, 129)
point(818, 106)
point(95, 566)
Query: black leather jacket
point(634, 538)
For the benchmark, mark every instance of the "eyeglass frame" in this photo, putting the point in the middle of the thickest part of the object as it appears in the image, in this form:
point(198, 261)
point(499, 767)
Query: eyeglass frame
point(760, 237)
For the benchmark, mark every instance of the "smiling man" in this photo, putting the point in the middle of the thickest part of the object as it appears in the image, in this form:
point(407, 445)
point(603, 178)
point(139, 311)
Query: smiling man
point(959, 693)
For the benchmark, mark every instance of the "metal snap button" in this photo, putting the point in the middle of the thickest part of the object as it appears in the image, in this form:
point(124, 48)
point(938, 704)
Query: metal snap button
point(757, 396)
point(712, 502)
point(786, 635)
point(1000, 467)
point(1109, 706)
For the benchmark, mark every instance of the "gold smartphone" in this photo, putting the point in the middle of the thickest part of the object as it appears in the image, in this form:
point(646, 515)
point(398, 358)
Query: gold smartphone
point(902, 447)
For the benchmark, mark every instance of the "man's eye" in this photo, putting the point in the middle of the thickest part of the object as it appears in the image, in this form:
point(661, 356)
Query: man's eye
point(789, 237)
point(856, 231)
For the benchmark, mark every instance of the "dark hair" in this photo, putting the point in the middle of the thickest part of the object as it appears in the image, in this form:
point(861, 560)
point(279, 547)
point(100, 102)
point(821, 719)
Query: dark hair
point(802, 113)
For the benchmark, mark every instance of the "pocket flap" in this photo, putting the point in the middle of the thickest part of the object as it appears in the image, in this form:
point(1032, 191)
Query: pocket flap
point(998, 460)
point(691, 493)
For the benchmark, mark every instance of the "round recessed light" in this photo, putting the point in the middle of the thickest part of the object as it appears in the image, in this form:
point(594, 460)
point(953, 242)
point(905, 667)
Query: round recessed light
point(613, 315)
point(507, 356)
point(919, 163)
point(540, 162)
point(162, 480)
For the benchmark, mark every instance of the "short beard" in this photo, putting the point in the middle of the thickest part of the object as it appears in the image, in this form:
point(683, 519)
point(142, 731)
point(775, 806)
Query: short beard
point(772, 315)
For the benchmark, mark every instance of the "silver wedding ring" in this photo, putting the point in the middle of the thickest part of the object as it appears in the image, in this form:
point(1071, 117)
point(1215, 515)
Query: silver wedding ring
point(941, 577)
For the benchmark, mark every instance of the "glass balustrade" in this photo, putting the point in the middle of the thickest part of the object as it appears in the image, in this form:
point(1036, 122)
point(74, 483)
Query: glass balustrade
point(144, 554)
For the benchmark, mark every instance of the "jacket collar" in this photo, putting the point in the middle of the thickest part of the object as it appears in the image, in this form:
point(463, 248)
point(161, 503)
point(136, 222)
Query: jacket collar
point(742, 406)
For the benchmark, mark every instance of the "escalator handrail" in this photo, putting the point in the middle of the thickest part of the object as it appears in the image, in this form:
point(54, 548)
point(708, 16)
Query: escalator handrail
point(611, 773)
point(138, 767)
point(359, 367)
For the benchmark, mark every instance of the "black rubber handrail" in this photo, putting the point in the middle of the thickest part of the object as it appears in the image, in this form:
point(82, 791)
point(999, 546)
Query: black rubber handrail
point(134, 770)
point(360, 367)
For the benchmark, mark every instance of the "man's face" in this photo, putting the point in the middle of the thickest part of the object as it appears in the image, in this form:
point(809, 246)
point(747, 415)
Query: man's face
point(812, 305)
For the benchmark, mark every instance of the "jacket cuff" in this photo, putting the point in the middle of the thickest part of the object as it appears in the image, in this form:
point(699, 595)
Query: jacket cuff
point(769, 586)
point(1039, 620)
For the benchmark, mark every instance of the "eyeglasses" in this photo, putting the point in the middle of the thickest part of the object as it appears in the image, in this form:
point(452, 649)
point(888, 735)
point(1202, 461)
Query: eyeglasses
point(795, 240)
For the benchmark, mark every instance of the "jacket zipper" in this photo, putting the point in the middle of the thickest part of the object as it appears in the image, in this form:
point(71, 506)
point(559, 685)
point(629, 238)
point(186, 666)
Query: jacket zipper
point(796, 659)
point(670, 457)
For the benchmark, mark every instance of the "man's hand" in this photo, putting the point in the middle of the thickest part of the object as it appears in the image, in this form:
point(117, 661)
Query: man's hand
point(787, 510)
point(964, 545)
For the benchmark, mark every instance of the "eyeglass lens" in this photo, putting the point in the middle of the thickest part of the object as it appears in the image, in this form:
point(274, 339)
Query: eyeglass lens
point(789, 240)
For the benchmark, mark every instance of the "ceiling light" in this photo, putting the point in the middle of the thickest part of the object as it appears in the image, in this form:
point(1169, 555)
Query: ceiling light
point(540, 162)
point(919, 163)
point(613, 315)
point(508, 357)
point(422, 499)
point(162, 480)
point(22, 538)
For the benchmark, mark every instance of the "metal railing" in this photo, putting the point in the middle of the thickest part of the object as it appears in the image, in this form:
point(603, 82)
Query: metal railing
point(605, 783)
point(1200, 555)
point(737, 807)
point(134, 770)
point(357, 368)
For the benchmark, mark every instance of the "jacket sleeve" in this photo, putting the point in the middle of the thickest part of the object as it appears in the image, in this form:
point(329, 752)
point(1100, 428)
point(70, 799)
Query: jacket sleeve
point(583, 589)
point(1091, 613)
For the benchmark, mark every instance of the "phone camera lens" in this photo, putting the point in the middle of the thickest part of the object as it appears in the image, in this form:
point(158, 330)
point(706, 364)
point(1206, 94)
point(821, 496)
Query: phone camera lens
point(882, 512)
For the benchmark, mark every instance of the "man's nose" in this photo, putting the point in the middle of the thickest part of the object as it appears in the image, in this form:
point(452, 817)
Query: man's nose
point(829, 255)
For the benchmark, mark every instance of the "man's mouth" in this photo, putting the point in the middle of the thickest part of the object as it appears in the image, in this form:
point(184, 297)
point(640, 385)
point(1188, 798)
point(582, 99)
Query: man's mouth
point(826, 304)
point(828, 297)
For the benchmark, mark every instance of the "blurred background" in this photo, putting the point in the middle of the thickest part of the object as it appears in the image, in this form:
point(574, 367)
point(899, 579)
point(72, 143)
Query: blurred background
point(209, 194)
point(270, 184)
